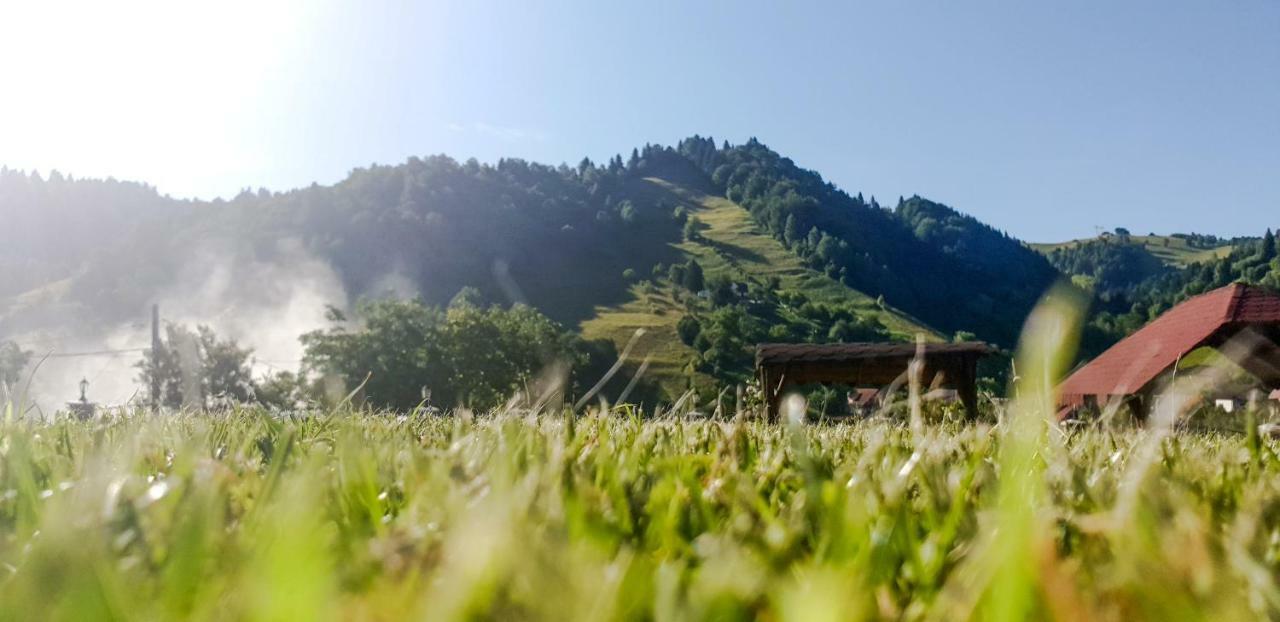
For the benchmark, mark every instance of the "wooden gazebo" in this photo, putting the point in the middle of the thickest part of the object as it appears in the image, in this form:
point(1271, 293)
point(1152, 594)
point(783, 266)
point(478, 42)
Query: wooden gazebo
point(950, 365)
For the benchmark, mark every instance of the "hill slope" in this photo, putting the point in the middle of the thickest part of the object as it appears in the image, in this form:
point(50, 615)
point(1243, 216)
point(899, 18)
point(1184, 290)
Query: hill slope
point(732, 246)
point(1174, 250)
point(942, 266)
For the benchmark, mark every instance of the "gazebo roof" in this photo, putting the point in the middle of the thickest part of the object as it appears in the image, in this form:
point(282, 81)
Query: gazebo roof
point(781, 353)
point(1140, 358)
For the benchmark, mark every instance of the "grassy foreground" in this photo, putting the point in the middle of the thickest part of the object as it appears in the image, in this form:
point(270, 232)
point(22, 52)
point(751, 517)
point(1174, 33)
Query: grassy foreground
point(251, 516)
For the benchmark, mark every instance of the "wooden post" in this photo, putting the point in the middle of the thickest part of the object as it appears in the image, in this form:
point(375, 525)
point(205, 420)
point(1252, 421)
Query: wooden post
point(967, 386)
point(155, 358)
point(770, 391)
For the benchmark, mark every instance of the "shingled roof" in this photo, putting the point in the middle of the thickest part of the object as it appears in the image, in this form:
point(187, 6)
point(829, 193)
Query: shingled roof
point(775, 353)
point(1140, 358)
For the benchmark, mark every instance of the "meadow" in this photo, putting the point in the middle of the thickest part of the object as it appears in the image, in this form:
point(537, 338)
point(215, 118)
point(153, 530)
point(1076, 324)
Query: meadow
point(247, 515)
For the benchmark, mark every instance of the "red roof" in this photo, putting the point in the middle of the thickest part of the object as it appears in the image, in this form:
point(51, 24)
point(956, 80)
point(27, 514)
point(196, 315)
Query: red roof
point(864, 397)
point(1141, 357)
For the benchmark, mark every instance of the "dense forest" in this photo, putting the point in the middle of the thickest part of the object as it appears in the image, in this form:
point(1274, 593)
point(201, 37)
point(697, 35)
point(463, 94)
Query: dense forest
point(1109, 266)
point(563, 241)
point(946, 268)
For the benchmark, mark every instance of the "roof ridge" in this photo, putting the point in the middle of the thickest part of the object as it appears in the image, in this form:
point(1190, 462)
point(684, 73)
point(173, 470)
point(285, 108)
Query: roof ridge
point(1238, 291)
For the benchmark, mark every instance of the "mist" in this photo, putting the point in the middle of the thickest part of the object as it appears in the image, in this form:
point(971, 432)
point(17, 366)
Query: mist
point(261, 303)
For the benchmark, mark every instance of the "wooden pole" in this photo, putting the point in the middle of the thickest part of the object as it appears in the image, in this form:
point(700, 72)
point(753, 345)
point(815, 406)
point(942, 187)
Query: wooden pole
point(967, 386)
point(155, 358)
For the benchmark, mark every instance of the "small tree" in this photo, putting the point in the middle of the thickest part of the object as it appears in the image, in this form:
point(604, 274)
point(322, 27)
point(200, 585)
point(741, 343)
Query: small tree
point(195, 368)
point(688, 328)
point(722, 290)
point(12, 361)
point(627, 212)
point(676, 274)
point(692, 229)
point(791, 231)
point(283, 390)
point(693, 278)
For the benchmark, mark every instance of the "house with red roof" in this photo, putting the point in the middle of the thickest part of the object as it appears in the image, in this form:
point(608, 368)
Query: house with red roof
point(1242, 322)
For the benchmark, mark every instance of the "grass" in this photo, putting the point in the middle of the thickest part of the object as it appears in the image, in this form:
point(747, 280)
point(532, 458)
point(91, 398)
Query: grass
point(1172, 251)
point(250, 516)
point(733, 245)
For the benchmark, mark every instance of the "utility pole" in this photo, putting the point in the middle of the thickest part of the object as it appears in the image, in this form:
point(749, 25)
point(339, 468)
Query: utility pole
point(155, 358)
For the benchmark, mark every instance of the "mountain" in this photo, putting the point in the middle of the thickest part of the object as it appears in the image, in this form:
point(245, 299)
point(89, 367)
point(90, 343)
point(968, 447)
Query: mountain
point(708, 248)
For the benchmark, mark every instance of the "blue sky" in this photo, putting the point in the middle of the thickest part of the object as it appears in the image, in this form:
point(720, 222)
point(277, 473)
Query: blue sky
point(1044, 119)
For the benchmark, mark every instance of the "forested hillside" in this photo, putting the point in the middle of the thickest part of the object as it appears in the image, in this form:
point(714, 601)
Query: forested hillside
point(1108, 266)
point(54, 225)
point(923, 257)
point(711, 248)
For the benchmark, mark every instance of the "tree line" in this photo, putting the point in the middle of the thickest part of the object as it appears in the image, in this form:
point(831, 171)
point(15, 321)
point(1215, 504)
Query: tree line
point(389, 353)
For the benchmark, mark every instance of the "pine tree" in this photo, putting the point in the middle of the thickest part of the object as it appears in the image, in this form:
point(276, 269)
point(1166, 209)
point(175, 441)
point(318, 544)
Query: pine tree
point(693, 278)
point(815, 237)
point(791, 231)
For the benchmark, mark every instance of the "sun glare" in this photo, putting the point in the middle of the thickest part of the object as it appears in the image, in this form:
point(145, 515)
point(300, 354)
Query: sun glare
point(142, 89)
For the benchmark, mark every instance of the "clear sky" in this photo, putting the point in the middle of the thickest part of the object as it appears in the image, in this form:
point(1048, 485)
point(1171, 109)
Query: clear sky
point(1042, 118)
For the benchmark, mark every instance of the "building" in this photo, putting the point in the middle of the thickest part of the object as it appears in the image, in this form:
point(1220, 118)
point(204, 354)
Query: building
point(865, 401)
point(1241, 322)
point(944, 365)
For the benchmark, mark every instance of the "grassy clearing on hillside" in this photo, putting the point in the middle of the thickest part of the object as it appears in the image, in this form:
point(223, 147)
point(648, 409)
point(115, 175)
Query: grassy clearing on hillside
point(733, 245)
point(656, 312)
point(1172, 251)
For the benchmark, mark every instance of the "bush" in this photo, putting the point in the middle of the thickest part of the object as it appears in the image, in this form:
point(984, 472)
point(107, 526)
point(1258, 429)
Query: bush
point(688, 329)
point(465, 355)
